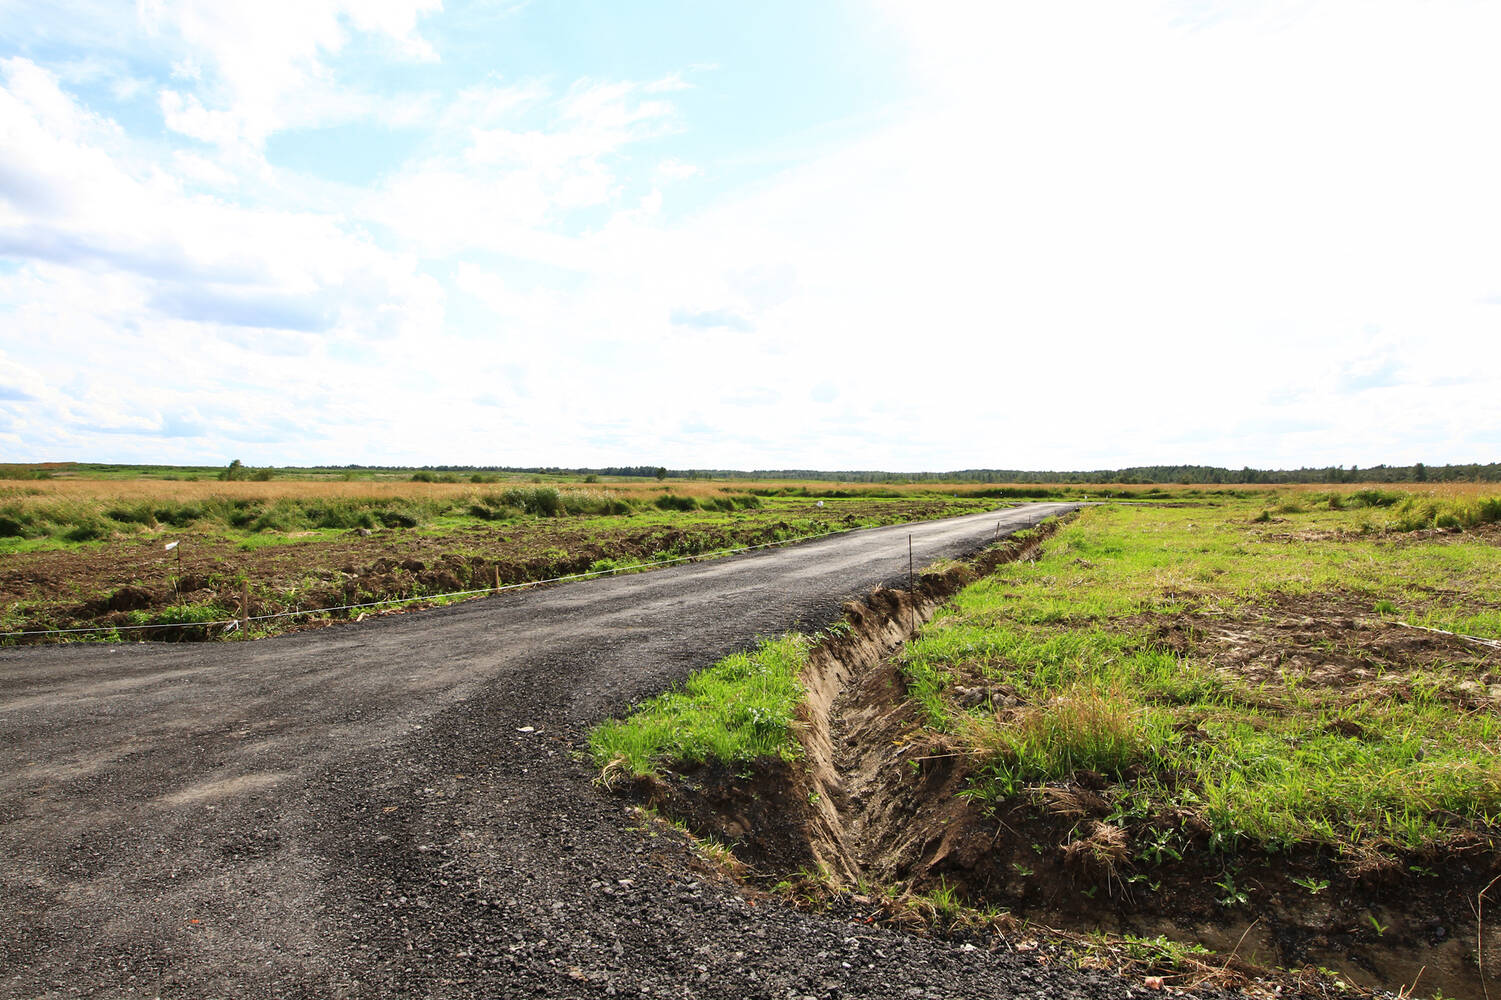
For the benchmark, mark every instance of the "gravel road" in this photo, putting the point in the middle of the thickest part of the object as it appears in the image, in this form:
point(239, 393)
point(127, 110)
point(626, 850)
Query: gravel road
point(398, 807)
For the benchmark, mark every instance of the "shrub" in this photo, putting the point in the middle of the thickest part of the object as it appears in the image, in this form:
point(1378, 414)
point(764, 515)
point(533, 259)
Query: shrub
point(138, 514)
point(671, 501)
point(237, 513)
point(346, 515)
point(391, 518)
point(744, 501)
point(178, 515)
point(1414, 514)
point(1373, 498)
point(493, 509)
point(549, 502)
point(543, 501)
point(278, 518)
point(87, 531)
point(578, 502)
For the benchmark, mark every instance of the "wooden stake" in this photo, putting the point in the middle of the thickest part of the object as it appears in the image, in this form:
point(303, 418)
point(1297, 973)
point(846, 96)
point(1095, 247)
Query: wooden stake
point(909, 562)
point(496, 568)
point(245, 608)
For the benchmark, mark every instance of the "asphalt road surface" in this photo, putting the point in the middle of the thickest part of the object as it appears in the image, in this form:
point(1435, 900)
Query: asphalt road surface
point(398, 807)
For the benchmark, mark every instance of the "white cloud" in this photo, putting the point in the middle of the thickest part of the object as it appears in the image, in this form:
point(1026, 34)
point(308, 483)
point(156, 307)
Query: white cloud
point(673, 169)
point(187, 115)
point(671, 83)
point(263, 65)
point(1130, 226)
point(1098, 235)
point(136, 295)
point(187, 68)
point(74, 191)
point(193, 168)
point(506, 188)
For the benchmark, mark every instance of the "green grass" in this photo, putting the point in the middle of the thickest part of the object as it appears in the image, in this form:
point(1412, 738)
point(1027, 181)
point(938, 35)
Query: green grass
point(739, 710)
point(57, 523)
point(273, 539)
point(1273, 758)
point(182, 614)
point(29, 523)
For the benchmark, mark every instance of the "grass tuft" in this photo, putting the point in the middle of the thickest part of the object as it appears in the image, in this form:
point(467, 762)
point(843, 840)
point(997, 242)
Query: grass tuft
point(1079, 730)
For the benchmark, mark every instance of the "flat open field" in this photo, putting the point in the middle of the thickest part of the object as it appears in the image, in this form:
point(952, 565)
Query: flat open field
point(92, 553)
point(89, 551)
point(1267, 725)
point(400, 807)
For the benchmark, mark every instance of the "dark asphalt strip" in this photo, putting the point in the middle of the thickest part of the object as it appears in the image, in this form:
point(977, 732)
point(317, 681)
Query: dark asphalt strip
point(398, 807)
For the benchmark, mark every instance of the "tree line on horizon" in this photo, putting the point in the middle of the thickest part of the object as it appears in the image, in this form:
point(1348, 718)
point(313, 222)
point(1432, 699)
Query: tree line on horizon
point(1143, 474)
point(1134, 475)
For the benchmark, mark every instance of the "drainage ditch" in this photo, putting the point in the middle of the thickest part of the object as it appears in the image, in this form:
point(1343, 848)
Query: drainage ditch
point(875, 801)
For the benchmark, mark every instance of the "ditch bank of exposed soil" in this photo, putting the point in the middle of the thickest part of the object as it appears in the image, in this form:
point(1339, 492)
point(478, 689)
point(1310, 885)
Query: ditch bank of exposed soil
point(786, 818)
point(876, 801)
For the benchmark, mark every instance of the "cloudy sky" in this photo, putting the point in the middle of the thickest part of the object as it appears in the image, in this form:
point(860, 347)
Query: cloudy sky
point(845, 234)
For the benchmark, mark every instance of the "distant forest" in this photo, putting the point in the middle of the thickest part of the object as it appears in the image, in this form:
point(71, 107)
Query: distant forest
point(1418, 473)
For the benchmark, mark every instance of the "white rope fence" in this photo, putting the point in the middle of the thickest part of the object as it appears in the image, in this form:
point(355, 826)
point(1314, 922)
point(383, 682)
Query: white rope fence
point(230, 624)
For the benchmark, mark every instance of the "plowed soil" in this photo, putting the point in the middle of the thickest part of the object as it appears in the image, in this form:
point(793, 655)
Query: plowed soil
point(126, 581)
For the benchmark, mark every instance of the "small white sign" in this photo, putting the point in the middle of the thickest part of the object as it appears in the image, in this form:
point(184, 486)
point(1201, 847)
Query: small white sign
point(820, 503)
point(171, 546)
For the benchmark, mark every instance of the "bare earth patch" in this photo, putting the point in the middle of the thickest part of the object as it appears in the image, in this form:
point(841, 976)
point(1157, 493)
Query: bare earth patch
point(1332, 641)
